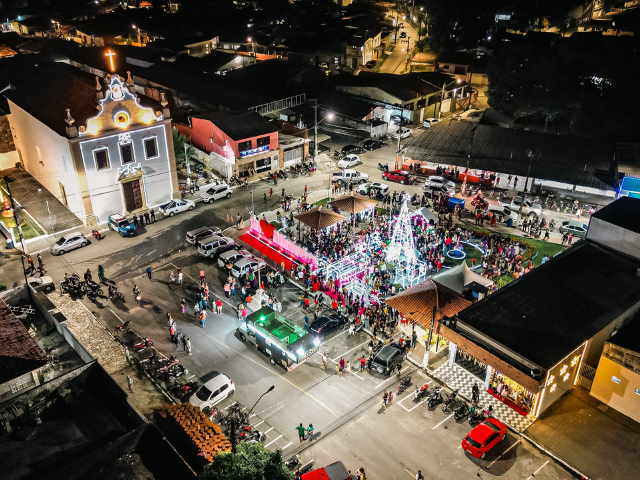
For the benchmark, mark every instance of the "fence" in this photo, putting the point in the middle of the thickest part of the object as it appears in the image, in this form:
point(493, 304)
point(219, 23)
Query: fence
point(291, 247)
point(586, 376)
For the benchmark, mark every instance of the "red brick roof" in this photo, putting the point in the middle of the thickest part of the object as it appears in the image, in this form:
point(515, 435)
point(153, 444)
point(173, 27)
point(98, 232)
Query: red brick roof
point(417, 302)
point(19, 352)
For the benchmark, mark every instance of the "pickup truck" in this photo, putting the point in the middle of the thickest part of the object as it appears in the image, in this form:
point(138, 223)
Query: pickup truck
point(349, 175)
point(120, 224)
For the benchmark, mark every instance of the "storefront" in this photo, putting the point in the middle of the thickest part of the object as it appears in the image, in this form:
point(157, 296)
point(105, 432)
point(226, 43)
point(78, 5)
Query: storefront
point(258, 161)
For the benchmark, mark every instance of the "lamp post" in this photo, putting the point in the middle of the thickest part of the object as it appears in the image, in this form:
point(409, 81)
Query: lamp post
point(7, 181)
point(250, 40)
point(315, 126)
point(420, 24)
point(233, 425)
point(442, 95)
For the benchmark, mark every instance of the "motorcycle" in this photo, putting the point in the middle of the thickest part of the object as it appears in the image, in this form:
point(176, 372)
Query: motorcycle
point(136, 295)
point(180, 391)
point(404, 383)
point(337, 155)
point(461, 411)
point(72, 288)
point(552, 224)
point(476, 415)
point(293, 462)
point(146, 342)
point(449, 401)
point(420, 392)
point(124, 326)
point(435, 398)
point(383, 167)
point(96, 234)
point(175, 371)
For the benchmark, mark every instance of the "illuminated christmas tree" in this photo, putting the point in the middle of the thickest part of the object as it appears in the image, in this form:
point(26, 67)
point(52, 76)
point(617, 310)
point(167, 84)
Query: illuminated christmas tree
point(402, 246)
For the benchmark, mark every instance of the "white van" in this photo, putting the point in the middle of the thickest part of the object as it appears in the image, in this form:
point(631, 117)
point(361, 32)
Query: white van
point(210, 193)
point(211, 246)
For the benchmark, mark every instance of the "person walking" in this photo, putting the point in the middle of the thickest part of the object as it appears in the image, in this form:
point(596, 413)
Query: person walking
point(196, 311)
point(203, 317)
point(227, 289)
point(184, 344)
point(127, 354)
point(189, 346)
point(219, 305)
point(30, 264)
point(419, 475)
point(40, 265)
point(153, 215)
point(414, 339)
point(147, 219)
point(341, 364)
point(385, 398)
point(180, 277)
point(149, 272)
point(270, 193)
point(183, 305)
point(101, 273)
point(310, 431)
point(390, 399)
point(265, 197)
point(301, 430)
point(130, 383)
point(325, 359)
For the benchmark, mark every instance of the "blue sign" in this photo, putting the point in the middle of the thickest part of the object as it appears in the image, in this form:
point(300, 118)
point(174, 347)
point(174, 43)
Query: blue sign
point(253, 151)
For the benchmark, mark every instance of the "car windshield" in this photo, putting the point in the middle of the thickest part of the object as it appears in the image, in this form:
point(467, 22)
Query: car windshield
point(123, 223)
point(203, 394)
point(472, 442)
point(492, 426)
point(61, 241)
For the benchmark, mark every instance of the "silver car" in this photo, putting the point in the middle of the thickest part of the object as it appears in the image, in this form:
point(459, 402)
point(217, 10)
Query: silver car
point(69, 242)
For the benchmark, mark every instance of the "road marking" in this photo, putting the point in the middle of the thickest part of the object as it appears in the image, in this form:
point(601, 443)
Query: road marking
point(287, 446)
point(269, 370)
point(302, 467)
point(502, 454)
point(409, 473)
point(534, 473)
point(267, 430)
point(190, 377)
point(332, 338)
point(221, 297)
point(442, 422)
point(272, 441)
point(253, 415)
point(343, 372)
point(259, 423)
point(352, 350)
point(411, 409)
point(393, 377)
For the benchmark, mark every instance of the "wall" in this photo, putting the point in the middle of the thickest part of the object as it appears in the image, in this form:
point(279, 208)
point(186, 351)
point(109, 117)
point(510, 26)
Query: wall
point(559, 379)
point(614, 237)
point(622, 396)
point(369, 92)
point(105, 189)
point(8, 160)
point(37, 142)
point(596, 343)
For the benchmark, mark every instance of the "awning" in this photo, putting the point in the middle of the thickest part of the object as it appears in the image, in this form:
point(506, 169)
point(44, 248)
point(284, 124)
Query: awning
point(319, 218)
point(353, 203)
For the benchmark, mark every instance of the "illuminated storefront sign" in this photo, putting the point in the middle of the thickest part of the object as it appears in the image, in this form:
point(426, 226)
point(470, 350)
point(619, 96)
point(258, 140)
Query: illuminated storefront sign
point(253, 151)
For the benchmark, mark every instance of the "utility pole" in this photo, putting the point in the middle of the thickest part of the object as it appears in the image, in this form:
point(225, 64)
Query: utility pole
point(315, 129)
point(399, 136)
point(15, 219)
point(524, 190)
point(425, 361)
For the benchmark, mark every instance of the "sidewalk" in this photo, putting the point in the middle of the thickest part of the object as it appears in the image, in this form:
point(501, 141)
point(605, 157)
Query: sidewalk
point(597, 440)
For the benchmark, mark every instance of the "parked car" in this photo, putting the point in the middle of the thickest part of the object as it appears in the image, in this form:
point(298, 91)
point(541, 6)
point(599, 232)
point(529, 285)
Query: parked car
point(347, 149)
point(232, 256)
point(245, 265)
point(211, 246)
point(578, 229)
point(323, 65)
point(325, 325)
point(69, 242)
point(42, 284)
point(528, 208)
point(120, 224)
point(212, 392)
point(349, 161)
point(395, 120)
point(435, 192)
point(210, 193)
point(403, 132)
point(196, 234)
point(403, 34)
point(371, 64)
point(176, 206)
point(381, 190)
point(387, 359)
point(436, 181)
point(349, 175)
point(400, 176)
point(372, 144)
point(484, 437)
point(502, 212)
point(429, 122)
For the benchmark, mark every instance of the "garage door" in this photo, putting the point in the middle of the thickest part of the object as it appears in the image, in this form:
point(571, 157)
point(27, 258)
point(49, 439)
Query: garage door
point(293, 156)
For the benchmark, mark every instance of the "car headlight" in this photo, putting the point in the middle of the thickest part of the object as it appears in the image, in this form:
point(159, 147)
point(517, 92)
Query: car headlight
point(316, 341)
point(300, 351)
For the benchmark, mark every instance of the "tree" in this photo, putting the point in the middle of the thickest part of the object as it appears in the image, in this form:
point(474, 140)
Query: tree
point(252, 461)
point(179, 141)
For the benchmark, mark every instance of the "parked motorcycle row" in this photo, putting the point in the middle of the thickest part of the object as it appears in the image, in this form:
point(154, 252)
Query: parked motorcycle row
point(74, 285)
point(235, 417)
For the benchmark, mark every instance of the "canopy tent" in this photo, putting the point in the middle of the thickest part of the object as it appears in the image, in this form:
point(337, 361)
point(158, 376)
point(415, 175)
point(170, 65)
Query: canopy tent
point(425, 213)
point(417, 303)
point(457, 278)
point(319, 218)
point(353, 203)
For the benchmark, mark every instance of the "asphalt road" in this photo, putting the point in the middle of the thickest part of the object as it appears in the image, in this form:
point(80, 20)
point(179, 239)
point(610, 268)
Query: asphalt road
point(346, 409)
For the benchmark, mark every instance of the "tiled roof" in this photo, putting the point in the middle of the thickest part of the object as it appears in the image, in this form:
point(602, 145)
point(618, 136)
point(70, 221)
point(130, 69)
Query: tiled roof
point(239, 125)
point(550, 311)
point(417, 302)
point(19, 352)
point(624, 213)
point(562, 158)
point(319, 218)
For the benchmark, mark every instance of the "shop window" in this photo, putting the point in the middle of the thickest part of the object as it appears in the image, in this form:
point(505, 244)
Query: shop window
point(261, 142)
point(151, 147)
point(101, 158)
point(242, 146)
point(126, 153)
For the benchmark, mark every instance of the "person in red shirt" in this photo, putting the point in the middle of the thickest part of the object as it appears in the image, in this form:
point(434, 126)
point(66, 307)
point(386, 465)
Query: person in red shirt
point(306, 303)
point(334, 305)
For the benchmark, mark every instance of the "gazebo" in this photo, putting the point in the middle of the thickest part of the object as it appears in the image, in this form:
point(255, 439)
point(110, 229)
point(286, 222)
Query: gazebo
point(319, 218)
point(353, 203)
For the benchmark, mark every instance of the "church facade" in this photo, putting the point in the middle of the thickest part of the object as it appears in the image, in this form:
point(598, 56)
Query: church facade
point(110, 154)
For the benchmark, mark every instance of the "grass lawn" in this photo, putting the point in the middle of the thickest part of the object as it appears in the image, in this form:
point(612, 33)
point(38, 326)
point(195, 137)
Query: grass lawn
point(471, 253)
point(324, 201)
point(29, 229)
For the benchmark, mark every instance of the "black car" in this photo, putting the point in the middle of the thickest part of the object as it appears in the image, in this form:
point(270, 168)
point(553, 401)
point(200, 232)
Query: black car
point(347, 149)
point(373, 144)
point(388, 358)
point(325, 325)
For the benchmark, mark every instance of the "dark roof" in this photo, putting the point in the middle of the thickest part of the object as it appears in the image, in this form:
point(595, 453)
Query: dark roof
point(239, 125)
point(455, 58)
point(623, 213)
point(563, 158)
point(345, 104)
point(628, 336)
point(550, 311)
point(19, 352)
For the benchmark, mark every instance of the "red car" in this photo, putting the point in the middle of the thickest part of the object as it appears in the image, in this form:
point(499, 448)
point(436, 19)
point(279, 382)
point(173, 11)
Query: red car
point(484, 437)
point(400, 176)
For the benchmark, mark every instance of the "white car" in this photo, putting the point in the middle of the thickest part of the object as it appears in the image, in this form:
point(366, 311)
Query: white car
point(350, 175)
point(436, 181)
point(503, 212)
point(381, 189)
point(528, 208)
point(176, 206)
point(210, 193)
point(403, 132)
point(245, 265)
point(429, 122)
point(349, 161)
point(219, 388)
point(44, 284)
point(232, 256)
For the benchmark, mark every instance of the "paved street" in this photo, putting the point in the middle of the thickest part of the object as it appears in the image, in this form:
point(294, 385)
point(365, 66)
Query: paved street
point(396, 62)
point(389, 444)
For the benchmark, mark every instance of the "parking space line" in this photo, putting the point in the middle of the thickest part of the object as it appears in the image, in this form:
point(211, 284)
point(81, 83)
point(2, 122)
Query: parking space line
point(352, 373)
point(536, 472)
point(409, 473)
point(252, 415)
point(393, 377)
point(442, 422)
point(286, 445)
point(273, 441)
point(502, 454)
point(345, 353)
point(332, 338)
point(411, 409)
point(267, 430)
point(259, 423)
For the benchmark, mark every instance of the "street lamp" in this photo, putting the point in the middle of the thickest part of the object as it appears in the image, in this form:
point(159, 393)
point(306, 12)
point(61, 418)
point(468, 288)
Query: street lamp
point(315, 127)
point(232, 424)
point(420, 25)
point(250, 40)
point(442, 94)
